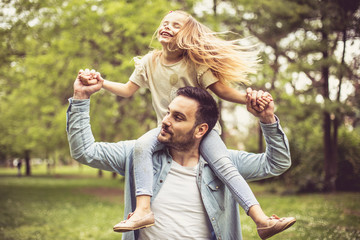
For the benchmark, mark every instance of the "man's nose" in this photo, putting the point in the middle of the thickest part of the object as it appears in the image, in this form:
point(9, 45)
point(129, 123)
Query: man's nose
point(166, 121)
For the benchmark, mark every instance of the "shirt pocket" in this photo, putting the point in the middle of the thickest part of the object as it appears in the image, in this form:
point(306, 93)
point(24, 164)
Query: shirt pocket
point(216, 188)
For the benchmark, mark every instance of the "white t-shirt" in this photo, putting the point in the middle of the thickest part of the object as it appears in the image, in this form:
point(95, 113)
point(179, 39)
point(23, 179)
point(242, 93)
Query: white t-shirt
point(164, 80)
point(178, 208)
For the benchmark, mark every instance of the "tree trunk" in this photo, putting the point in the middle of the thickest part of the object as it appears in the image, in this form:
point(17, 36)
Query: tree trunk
point(329, 168)
point(329, 158)
point(215, 8)
point(27, 162)
point(334, 169)
point(100, 173)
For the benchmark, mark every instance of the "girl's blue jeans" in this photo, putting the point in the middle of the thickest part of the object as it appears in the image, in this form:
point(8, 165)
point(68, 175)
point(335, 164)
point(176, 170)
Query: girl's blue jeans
point(212, 149)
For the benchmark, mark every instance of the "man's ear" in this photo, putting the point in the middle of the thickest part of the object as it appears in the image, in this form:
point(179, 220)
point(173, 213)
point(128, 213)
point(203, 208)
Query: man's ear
point(201, 129)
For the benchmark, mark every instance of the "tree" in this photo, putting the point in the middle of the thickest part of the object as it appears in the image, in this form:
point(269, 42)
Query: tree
point(306, 51)
point(44, 44)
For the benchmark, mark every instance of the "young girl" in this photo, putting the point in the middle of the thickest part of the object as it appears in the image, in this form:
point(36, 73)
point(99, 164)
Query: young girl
point(191, 55)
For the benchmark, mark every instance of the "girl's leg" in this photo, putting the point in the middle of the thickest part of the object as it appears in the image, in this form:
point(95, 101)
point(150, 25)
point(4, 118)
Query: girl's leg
point(143, 173)
point(143, 166)
point(216, 154)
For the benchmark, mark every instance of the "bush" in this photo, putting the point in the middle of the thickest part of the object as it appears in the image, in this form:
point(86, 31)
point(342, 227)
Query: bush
point(348, 177)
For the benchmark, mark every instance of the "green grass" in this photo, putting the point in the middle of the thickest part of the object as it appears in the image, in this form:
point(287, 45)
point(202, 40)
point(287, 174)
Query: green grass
point(319, 216)
point(61, 207)
point(75, 204)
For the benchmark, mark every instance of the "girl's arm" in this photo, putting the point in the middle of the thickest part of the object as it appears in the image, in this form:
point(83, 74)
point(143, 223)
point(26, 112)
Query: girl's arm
point(126, 90)
point(227, 93)
point(232, 95)
point(121, 89)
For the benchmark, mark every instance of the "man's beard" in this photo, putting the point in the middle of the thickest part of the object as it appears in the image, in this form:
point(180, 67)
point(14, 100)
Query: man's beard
point(184, 142)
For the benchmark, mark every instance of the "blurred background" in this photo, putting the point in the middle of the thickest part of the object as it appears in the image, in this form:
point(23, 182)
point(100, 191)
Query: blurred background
point(310, 63)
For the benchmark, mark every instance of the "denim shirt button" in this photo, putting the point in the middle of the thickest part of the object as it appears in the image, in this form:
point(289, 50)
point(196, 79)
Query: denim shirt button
point(161, 181)
point(213, 219)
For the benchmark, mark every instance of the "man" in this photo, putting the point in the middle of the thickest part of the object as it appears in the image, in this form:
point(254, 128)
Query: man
point(190, 202)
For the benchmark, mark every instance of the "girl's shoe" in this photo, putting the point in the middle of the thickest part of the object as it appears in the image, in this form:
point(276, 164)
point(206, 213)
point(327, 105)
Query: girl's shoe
point(275, 225)
point(129, 225)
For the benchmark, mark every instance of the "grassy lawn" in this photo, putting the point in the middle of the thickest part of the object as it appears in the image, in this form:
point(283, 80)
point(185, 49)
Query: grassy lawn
point(74, 204)
point(319, 216)
point(63, 207)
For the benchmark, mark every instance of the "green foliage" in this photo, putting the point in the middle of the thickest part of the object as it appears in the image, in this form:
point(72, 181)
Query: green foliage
point(45, 43)
point(349, 161)
point(307, 64)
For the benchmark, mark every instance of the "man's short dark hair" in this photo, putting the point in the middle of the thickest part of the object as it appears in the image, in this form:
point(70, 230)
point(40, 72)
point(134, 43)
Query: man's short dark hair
point(207, 111)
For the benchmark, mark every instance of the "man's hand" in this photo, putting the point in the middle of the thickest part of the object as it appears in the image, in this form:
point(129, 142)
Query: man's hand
point(252, 98)
point(88, 78)
point(82, 91)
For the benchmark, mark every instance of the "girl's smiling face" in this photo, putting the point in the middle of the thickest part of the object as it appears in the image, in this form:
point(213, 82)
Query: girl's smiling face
point(170, 26)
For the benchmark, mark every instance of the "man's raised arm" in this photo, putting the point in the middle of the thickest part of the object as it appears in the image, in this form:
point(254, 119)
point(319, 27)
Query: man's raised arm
point(83, 148)
point(276, 159)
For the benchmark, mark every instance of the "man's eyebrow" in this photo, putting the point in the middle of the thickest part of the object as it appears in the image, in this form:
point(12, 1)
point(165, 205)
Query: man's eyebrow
point(178, 113)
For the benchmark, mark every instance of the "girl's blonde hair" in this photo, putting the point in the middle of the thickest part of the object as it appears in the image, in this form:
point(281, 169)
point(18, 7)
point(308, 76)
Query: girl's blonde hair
point(229, 62)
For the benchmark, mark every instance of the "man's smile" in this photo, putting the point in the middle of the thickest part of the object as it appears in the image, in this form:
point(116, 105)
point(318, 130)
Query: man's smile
point(164, 130)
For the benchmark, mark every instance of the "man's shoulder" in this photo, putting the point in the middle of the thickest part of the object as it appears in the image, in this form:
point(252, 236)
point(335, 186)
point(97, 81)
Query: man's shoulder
point(127, 143)
point(126, 146)
point(160, 155)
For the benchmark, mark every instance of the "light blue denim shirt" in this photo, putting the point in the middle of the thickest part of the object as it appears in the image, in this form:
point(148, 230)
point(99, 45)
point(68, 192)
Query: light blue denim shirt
point(221, 208)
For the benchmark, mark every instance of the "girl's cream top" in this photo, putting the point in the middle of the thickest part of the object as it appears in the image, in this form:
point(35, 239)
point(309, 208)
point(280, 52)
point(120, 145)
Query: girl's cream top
point(164, 80)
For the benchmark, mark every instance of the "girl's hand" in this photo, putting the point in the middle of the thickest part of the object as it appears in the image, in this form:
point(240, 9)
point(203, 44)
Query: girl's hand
point(267, 114)
point(82, 91)
point(88, 77)
point(260, 100)
point(264, 100)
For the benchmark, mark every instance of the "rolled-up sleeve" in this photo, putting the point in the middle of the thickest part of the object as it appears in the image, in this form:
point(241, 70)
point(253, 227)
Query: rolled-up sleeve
point(139, 75)
point(205, 77)
point(274, 161)
point(84, 149)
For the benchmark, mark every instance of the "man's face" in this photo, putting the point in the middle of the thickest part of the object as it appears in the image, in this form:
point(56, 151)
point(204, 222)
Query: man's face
point(178, 126)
